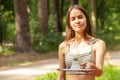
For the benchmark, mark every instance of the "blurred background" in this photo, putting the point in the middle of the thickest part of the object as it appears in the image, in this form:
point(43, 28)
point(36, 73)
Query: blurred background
point(32, 29)
point(37, 26)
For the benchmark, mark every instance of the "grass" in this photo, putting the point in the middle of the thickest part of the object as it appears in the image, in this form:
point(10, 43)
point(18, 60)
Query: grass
point(110, 73)
point(49, 76)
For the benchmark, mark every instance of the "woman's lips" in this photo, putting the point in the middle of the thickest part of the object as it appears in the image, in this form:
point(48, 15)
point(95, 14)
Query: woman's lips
point(79, 26)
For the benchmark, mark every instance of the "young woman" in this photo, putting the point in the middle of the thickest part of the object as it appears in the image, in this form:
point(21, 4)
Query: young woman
point(80, 45)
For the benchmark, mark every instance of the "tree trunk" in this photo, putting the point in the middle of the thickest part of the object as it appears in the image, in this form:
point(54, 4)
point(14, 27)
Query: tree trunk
point(57, 16)
point(61, 14)
point(1, 32)
point(73, 2)
point(101, 16)
point(22, 27)
point(92, 11)
point(43, 16)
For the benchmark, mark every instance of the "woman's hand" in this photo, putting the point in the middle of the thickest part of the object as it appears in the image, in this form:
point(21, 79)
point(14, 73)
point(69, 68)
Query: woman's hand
point(87, 65)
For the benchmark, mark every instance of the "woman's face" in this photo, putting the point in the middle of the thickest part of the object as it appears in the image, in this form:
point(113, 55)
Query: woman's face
point(77, 20)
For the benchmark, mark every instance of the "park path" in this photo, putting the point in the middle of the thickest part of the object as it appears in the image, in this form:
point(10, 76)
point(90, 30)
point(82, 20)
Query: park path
point(31, 71)
point(43, 67)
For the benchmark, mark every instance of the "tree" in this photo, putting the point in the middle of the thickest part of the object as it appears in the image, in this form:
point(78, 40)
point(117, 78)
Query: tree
point(73, 2)
point(22, 27)
point(61, 13)
point(92, 12)
point(1, 32)
point(101, 17)
point(57, 16)
point(43, 16)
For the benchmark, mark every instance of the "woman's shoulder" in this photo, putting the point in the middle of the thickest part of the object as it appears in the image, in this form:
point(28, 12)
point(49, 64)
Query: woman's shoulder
point(62, 45)
point(65, 43)
point(95, 40)
point(99, 42)
point(62, 48)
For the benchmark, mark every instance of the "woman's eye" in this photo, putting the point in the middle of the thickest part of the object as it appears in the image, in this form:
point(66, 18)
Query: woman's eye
point(80, 17)
point(72, 19)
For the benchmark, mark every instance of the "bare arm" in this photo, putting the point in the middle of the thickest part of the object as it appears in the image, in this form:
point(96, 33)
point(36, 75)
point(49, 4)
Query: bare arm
point(100, 48)
point(61, 75)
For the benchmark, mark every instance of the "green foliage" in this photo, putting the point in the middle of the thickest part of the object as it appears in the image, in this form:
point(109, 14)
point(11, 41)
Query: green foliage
point(6, 20)
point(43, 43)
point(7, 34)
point(111, 38)
point(47, 43)
point(33, 9)
point(6, 51)
point(49, 76)
point(108, 22)
point(110, 73)
point(84, 3)
point(108, 29)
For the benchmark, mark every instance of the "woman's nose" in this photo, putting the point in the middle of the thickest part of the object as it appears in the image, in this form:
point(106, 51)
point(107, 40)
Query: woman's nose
point(77, 20)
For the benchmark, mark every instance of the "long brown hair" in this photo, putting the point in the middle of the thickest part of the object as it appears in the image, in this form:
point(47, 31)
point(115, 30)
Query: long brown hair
point(69, 31)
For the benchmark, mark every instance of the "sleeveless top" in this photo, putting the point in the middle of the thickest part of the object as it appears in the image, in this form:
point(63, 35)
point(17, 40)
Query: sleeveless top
point(84, 55)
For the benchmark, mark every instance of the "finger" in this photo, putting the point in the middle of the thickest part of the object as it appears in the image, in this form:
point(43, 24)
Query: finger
point(83, 64)
point(87, 65)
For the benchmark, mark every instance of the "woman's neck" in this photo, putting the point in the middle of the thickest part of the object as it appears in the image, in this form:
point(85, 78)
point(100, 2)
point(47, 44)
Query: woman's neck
point(79, 37)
